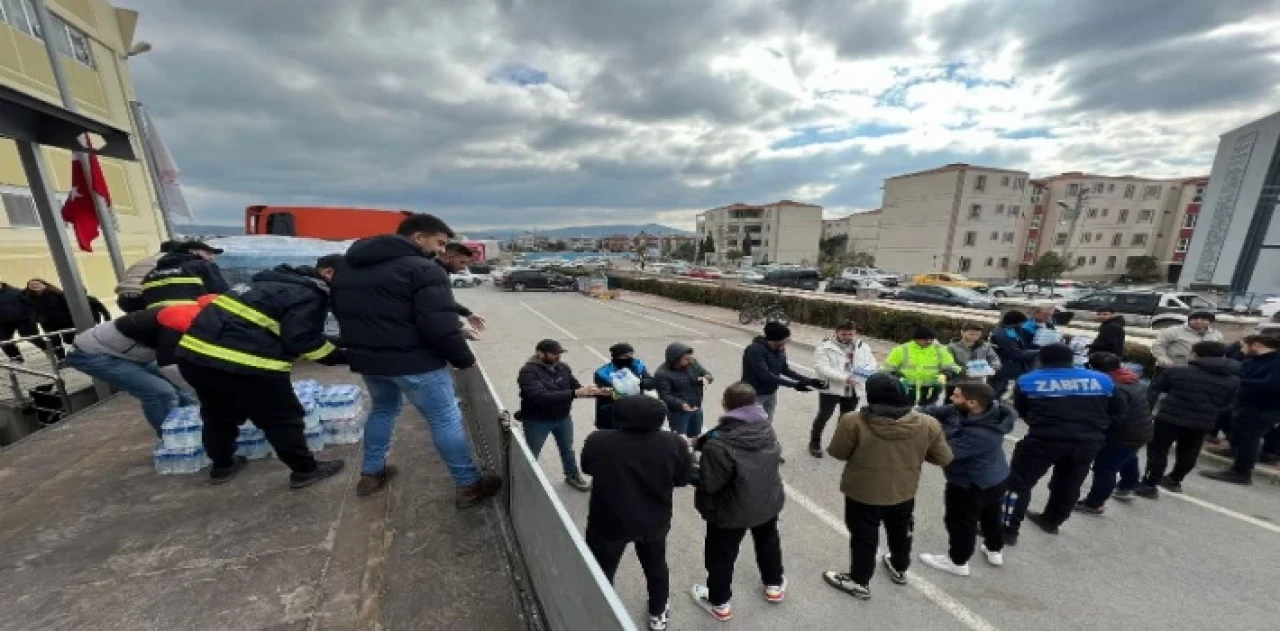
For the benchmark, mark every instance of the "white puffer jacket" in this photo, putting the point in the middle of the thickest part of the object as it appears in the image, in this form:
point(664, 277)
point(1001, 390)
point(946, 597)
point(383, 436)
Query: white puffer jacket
point(835, 363)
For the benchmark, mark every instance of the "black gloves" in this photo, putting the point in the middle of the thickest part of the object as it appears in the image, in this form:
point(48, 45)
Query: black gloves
point(800, 387)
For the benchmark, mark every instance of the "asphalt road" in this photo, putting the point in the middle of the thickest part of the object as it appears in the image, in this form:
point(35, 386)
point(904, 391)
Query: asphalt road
point(1210, 559)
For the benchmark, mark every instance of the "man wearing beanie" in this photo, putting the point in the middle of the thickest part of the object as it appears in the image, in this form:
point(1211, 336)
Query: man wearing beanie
point(1015, 349)
point(922, 362)
point(1173, 345)
point(1068, 411)
point(883, 446)
point(622, 356)
point(765, 367)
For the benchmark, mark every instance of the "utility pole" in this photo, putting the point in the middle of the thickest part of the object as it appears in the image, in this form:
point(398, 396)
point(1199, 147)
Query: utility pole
point(1081, 197)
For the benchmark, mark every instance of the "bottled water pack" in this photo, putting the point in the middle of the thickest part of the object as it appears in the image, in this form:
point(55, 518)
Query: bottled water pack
point(341, 408)
point(252, 443)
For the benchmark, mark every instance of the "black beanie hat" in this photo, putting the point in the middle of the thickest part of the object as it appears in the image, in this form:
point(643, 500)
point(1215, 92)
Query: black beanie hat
point(1057, 355)
point(1104, 362)
point(883, 389)
point(775, 332)
point(639, 414)
point(924, 333)
point(1202, 315)
point(620, 349)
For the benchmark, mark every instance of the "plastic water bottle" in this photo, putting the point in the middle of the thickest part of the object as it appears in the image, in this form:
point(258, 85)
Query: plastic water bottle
point(162, 461)
point(315, 440)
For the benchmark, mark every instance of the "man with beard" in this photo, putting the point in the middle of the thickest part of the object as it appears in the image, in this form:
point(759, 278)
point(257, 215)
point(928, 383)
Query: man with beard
point(547, 391)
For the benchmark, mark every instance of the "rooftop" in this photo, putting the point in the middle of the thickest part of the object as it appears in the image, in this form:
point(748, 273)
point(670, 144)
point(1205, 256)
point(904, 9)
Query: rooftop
point(957, 166)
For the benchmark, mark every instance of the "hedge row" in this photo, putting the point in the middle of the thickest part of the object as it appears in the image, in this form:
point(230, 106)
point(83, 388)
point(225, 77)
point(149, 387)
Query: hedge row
point(872, 320)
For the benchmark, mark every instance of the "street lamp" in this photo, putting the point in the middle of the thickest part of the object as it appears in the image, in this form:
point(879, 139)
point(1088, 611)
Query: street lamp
point(1075, 212)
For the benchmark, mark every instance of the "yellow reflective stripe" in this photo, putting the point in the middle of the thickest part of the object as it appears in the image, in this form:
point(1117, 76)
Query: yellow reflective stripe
point(319, 353)
point(176, 280)
point(233, 356)
point(238, 308)
point(170, 303)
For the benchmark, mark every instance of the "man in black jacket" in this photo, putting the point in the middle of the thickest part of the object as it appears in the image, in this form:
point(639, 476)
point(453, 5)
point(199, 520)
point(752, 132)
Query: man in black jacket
point(1196, 396)
point(400, 328)
point(739, 490)
point(765, 367)
point(16, 317)
point(1110, 334)
point(1013, 346)
point(547, 391)
point(622, 356)
point(636, 469)
point(1257, 409)
point(680, 382)
point(182, 275)
point(238, 354)
point(456, 258)
point(1127, 434)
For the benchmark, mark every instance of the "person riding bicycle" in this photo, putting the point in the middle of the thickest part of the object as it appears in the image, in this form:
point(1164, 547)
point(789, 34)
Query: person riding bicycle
point(923, 364)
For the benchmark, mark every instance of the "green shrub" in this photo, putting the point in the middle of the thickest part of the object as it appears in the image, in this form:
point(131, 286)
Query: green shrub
point(873, 320)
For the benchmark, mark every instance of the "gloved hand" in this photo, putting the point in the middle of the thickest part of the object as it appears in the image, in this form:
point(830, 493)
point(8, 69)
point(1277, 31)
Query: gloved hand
point(817, 383)
point(803, 387)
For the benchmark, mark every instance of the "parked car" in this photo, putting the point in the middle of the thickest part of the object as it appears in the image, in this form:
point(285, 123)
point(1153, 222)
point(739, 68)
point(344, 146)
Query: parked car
point(705, 272)
point(1034, 289)
point(888, 279)
point(947, 279)
point(847, 286)
point(1269, 307)
point(1157, 309)
point(465, 278)
point(532, 279)
point(750, 276)
point(946, 295)
point(794, 278)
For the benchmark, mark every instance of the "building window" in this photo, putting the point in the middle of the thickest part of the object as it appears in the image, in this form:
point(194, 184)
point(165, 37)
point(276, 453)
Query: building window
point(1093, 213)
point(1151, 192)
point(1004, 181)
point(1060, 240)
point(1111, 262)
point(1190, 221)
point(1098, 187)
point(1111, 188)
point(1117, 240)
point(1086, 238)
point(975, 212)
point(1124, 216)
point(1139, 240)
point(1008, 237)
point(1145, 216)
point(995, 235)
point(1199, 194)
point(1020, 183)
point(1182, 245)
point(999, 209)
point(1031, 247)
point(970, 239)
point(1105, 212)
point(20, 208)
point(1004, 262)
point(1073, 190)
point(67, 40)
point(1035, 221)
point(1036, 194)
point(1128, 190)
point(1093, 260)
point(1014, 211)
point(991, 261)
point(965, 264)
point(1080, 261)
point(980, 184)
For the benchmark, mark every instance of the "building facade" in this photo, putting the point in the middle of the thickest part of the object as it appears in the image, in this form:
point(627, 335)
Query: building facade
point(835, 227)
point(780, 232)
point(956, 218)
point(92, 37)
point(1236, 243)
point(864, 232)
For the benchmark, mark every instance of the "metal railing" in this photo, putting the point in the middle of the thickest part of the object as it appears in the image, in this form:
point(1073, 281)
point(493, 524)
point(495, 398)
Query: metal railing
point(39, 386)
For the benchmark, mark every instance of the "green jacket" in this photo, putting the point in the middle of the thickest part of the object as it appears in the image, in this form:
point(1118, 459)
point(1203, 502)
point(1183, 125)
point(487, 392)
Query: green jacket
point(920, 366)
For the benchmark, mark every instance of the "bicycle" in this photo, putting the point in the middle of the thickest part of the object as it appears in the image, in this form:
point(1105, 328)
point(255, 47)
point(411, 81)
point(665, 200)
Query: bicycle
point(772, 311)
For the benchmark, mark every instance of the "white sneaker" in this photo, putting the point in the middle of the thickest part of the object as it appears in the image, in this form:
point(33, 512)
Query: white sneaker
point(944, 563)
point(659, 622)
point(702, 596)
point(994, 558)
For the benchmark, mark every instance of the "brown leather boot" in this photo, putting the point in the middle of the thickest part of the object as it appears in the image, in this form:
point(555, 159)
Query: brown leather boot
point(372, 483)
point(486, 488)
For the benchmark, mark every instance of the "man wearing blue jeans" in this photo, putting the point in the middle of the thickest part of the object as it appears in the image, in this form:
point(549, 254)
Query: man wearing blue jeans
point(547, 391)
point(680, 382)
point(401, 331)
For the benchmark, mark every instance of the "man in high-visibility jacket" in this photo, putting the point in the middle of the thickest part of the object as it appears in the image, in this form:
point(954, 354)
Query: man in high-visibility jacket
point(182, 275)
point(237, 355)
point(922, 363)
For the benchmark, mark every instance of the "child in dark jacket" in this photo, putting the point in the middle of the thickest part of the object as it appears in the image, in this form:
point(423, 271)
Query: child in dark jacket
point(1128, 433)
point(740, 490)
point(636, 468)
point(975, 425)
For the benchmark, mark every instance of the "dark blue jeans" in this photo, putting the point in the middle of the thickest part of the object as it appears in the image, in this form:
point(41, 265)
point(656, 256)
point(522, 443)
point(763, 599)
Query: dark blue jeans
point(1111, 462)
point(536, 432)
point(686, 423)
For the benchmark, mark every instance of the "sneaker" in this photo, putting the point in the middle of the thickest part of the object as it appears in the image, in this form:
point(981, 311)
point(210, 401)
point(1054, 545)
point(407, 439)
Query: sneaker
point(1147, 491)
point(324, 469)
point(815, 450)
point(659, 622)
point(1081, 507)
point(703, 597)
point(486, 488)
point(1222, 452)
point(898, 578)
point(776, 593)
point(578, 482)
point(944, 563)
point(1043, 522)
point(1124, 495)
point(371, 483)
point(1228, 475)
point(1169, 484)
point(1010, 537)
point(846, 584)
point(223, 475)
point(996, 558)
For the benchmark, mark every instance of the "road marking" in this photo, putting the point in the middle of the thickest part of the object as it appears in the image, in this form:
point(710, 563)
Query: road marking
point(789, 362)
point(658, 320)
point(936, 594)
point(548, 321)
point(596, 353)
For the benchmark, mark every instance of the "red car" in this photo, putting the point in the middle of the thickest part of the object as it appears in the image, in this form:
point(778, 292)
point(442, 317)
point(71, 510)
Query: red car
point(706, 272)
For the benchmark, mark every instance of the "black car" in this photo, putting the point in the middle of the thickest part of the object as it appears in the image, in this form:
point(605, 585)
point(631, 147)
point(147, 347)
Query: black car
point(842, 286)
point(1157, 309)
point(793, 278)
point(536, 279)
point(943, 295)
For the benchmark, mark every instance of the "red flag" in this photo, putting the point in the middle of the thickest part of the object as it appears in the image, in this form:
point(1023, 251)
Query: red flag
point(78, 210)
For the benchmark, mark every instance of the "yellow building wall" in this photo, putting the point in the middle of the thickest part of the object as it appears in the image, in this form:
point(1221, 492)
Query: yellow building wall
point(103, 93)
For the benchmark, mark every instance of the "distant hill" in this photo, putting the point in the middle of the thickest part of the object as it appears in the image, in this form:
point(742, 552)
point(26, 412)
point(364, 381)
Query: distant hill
point(580, 231)
point(207, 230)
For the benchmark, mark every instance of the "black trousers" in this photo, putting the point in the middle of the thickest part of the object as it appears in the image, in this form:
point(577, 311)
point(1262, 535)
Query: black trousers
point(1032, 458)
point(720, 554)
point(1248, 427)
point(827, 404)
point(1271, 444)
point(23, 328)
point(651, 551)
point(970, 510)
point(227, 399)
point(1188, 441)
point(863, 521)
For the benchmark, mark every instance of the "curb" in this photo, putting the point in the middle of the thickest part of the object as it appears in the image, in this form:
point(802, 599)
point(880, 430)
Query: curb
point(1270, 473)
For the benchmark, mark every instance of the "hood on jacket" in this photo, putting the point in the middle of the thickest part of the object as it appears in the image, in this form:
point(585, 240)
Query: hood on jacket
point(1217, 365)
point(999, 417)
point(976, 345)
point(762, 341)
point(175, 259)
point(1013, 318)
point(675, 351)
point(747, 434)
point(1124, 375)
point(305, 276)
point(639, 415)
point(753, 413)
point(1117, 320)
point(371, 251)
point(892, 422)
point(831, 340)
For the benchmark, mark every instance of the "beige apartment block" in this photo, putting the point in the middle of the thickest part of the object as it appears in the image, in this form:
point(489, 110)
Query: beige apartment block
point(1119, 218)
point(864, 231)
point(956, 218)
point(780, 232)
point(92, 37)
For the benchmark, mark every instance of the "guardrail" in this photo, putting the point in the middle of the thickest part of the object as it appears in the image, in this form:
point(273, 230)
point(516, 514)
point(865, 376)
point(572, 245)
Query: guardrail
point(34, 390)
point(560, 584)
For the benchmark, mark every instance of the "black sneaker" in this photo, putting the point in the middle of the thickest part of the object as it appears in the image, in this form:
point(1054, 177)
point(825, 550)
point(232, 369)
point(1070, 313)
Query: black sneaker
point(1147, 491)
point(815, 450)
point(1169, 484)
point(578, 482)
point(1043, 522)
point(845, 583)
point(223, 475)
point(898, 578)
point(1081, 507)
point(324, 469)
point(1010, 537)
point(1228, 475)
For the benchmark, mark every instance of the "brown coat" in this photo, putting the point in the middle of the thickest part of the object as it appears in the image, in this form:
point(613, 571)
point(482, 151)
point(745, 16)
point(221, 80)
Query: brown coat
point(883, 449)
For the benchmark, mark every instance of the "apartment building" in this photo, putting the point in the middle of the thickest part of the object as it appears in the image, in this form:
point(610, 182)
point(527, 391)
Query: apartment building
point(835, 227)
point(1118, 218)
point(780, 232)
point(864, 231)
point(1172, 250)
point(956, 218)
point(92, 39)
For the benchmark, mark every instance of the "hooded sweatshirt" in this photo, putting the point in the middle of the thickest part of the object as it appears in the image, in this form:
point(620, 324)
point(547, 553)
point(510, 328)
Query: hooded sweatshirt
point(1196, 394)
point(678, 387)
point(740, 486)
point(635, 469)
point(1134, 428)
point(835, 363)
point(603, 378)
point(963, 354)
point(977, 443)
point(883, 448)
point(1110, 337)
point(1173, 345)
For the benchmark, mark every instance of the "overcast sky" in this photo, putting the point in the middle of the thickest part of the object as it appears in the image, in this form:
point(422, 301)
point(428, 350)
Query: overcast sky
point(523, 113)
